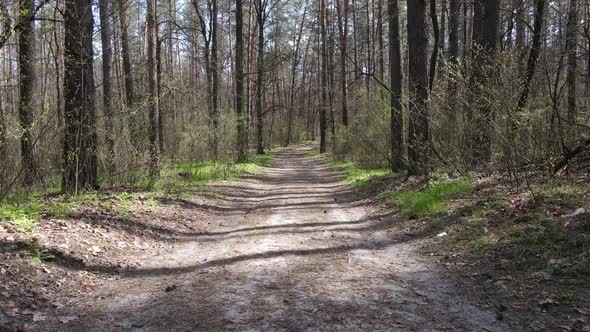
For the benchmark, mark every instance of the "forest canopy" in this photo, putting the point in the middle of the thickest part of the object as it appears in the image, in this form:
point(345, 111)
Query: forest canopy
point(107, 92)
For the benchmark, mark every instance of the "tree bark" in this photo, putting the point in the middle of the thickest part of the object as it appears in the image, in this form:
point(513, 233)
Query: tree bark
point(534, 53)
point(242, 144)
point(453, 48)
point(127, 76)
point(395, 72)
point(380, 41)
point(342, 12)
point(107, 85)
point(419, 136)
point(80, 157)
point(26, 67)
point(435, 48)
point(153, 99)
point(485, 39)
point(571, 50)
point(261, 19)
point(215, 79)
point(324, 77)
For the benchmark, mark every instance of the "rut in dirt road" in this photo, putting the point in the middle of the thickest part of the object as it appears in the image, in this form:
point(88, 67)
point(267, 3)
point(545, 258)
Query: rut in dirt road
point(292, 248)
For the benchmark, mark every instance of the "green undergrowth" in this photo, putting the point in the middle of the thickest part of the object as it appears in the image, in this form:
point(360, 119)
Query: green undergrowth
point(359, 177)
point(546, 231)
point(23, 212)
point(432, 198)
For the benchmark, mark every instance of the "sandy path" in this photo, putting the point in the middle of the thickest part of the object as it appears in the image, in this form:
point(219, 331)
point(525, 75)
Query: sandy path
point(293, 249)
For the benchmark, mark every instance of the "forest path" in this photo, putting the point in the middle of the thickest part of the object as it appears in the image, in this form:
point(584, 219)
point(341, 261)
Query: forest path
point(296, 249)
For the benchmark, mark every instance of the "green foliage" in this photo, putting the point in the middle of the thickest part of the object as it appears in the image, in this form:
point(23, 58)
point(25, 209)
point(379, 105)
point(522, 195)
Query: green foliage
point(37, 253)
point(360, 178)
point(312, 154)
point(433, 198)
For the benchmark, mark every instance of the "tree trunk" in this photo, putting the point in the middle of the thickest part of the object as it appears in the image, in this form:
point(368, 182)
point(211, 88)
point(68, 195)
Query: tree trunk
point(260, 18)
point(520, 42)
point(453, 49)
point(127, 76)
point(395, 72)
point(80, 158)
point(107, 85)
point(485, 39)
point(215, 79)
point(355, 39)
point(534, 53)
point(242, 144)
point(435, 49)
point(571, 50)
point(294, 65)
point(419, 137)
point(381, 44)
point(324, 77)
point(153, 99)
point(342, 12)
point(26, 66)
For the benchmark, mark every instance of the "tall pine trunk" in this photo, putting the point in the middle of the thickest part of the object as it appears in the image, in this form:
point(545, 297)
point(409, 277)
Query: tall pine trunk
point(419, 136)
point(26, 66)
point(342, 12)
point(153, 99)
point(107, 85)
point(324, 78)
point(127, 76)
point(260, 18)
point(242, 143)
point(395, 72)
point(80, 157)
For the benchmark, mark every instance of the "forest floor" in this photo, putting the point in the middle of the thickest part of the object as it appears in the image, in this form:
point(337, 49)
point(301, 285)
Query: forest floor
point(292, 247)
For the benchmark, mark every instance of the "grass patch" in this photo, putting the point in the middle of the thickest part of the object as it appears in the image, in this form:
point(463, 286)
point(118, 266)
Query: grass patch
point(313, 154)
point(433, 198)
point(22, 213)
point(360, 178)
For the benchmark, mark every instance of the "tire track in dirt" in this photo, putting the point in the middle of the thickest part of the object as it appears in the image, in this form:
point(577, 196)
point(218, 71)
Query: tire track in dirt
point(292, 248)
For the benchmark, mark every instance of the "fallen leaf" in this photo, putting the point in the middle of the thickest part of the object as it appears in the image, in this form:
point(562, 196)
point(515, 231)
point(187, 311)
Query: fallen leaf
point(89, 285)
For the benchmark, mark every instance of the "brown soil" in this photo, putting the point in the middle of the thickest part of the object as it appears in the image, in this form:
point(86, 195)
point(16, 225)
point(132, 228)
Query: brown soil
point(291, 248)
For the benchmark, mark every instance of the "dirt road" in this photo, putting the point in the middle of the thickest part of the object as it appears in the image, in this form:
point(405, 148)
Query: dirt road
point(292, 248)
